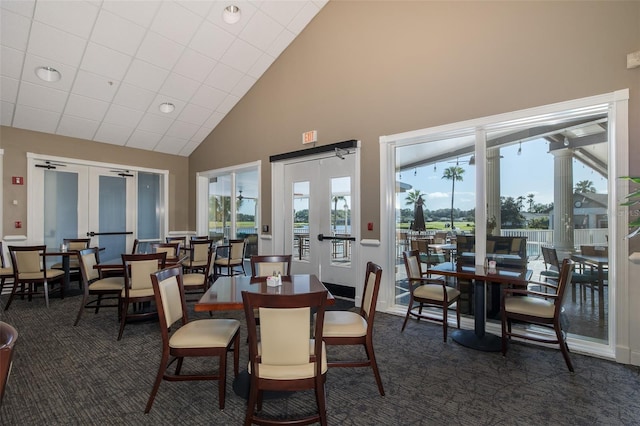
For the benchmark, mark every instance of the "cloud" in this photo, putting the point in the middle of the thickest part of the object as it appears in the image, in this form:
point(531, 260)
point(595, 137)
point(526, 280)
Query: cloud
point(433, 195)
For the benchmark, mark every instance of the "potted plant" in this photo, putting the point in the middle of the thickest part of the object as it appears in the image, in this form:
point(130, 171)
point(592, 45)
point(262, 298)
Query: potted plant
point(632, 199)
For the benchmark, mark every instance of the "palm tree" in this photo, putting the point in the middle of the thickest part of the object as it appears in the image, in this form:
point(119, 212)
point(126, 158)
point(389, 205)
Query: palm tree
point(335, 200)
point(520, 202)
point(584, 186)
point(530, 201)
point(453, 174)
point(412, 197)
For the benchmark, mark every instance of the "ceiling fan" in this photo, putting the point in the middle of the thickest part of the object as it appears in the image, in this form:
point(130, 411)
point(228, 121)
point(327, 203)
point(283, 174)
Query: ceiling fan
point(240, 197)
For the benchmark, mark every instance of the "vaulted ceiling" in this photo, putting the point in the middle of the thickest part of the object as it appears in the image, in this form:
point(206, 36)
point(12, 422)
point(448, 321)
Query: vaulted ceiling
point(120, 60)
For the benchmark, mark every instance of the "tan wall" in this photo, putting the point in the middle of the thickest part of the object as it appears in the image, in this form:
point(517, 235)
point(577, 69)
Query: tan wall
point(17, 143)
point(363, 69)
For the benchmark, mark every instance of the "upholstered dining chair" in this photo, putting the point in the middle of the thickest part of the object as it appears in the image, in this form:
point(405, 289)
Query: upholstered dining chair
point(6, 270)
point(356, 328)
point(197, 270)
point(8, 339)
point(72, 244)
point(230, 256)
point(182, 240)
point(137, 289)
point(172, 249)
point(29, 271)
point(285, 357)
point(428, 292)
point(199, 338)
point(95, 284)
point(534, 307)
point(266, 265)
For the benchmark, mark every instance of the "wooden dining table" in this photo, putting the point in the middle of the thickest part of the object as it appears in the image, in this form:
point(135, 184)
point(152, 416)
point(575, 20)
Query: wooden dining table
point(480, 275)
point(226, 292)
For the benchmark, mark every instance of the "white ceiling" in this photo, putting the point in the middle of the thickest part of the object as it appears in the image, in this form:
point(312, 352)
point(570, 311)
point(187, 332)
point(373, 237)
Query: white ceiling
point(120, 60)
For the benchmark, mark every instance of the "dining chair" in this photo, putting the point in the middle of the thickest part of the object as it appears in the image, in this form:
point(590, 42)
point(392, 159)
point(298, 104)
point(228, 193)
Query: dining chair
point(356, 328)
point(285, 356)
point(534, 307)
point(270, 264)
point(138, 291)
point(231, 257)
point(6, 271)
point(182, 240)
point(197, 269)
point(29, 271)
point(199, 338)
point(551, 273)
point(95, 284)
point(72, 244)
point(134, 248)
point(428, 292)
point(8, 339)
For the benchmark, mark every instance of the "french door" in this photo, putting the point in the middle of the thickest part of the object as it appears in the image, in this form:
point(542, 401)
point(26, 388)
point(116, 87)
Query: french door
point(321, 218)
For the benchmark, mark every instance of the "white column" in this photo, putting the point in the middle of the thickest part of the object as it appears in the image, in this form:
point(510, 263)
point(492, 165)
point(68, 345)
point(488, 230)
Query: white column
point(493, 188)
point(563, 201)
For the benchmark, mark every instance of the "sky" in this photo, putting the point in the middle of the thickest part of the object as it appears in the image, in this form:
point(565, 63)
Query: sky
point(529, 172)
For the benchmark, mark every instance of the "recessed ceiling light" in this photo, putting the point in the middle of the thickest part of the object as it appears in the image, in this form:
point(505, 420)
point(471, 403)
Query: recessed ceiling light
point(48, 74)
point(231, 14)
point(167, 107)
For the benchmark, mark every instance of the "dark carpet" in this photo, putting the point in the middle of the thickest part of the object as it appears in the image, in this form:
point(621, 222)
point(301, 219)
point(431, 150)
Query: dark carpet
point(66, 375)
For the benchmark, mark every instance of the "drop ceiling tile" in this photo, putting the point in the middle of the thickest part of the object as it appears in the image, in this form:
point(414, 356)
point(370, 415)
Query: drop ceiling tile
point(159, 51)
point(280, 43)
point(194, 65)
point(6, 113)
point(241, 55)
point(41, 97)
point(154, 108)
point(201, 134)
point(182, 130)
point(282, 11)
point(247, 10)
point(123, 116)
point(9, 89)
point(73, 17)
point(143, 140)
point(11, 63)
point(14, 30)
point(49, 42)
point(188, 149)
point(139, 12)
point(113, 134)
point(83, 107)
point(243, 86)
point(176, 22)
point(95, 86)
point(261, 31)
point(307, 13)
point(208, 97)
point(101, 60)
point(155, 123)
point(117, 33)
point(223, 77)
point(214, 120)
point(229, 102)
point(178, 87)
point(170, 145)
point(35, 119)
point(262, 64)
point(200, 8)
point(211, 40)
point(195, 114)
point(21, 7)
point(134, 97)
point(32, 62)
point(76, 127)
point(145, 75)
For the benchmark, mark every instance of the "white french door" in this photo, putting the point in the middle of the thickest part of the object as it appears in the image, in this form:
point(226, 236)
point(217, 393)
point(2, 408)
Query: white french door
point(321, 217)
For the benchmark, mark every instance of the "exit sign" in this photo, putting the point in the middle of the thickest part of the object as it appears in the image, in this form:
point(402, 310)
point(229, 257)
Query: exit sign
point(310, 136)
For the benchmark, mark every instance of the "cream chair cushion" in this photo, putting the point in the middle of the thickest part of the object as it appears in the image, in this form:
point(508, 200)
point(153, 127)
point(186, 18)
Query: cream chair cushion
point(205, 333)
point(529, 306)
point(192, 279)
point(344, 324)
point(434, 292)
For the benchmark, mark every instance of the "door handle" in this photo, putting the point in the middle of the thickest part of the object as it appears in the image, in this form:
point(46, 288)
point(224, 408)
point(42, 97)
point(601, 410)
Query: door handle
point(322, 237)
point(93, 234)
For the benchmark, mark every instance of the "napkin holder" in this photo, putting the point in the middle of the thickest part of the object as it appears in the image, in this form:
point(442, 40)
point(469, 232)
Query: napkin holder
point(274, 281)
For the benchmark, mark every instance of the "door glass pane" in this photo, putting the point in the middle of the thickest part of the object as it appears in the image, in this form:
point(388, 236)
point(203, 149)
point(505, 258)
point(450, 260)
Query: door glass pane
point(60, 208)
point(149, 210)
point(219, 207)
point(112, 214)
point(301, 202)
point(340, 220)
point(247, 209)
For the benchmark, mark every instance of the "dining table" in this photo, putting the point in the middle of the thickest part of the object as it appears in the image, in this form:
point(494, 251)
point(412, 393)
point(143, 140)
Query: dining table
point(114, 265)
point(481, 275)
point(65, 255)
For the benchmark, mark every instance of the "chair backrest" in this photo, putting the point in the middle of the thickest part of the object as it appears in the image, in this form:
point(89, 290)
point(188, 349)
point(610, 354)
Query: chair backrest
point(201, 249)
point(182, 240)
point(77, 243)
point(372, 278)
point(200, 237)
point(440, 238)
point(563, 281)
point(27, 259)
point(139, 267)
point(169, 292)
point(285, 329)
point(134, 249)
point(8, 339)
point(236, 250)
point(88, 258)
point(172, 249)
point(266, 265)
point(412, 264)
point(550, 257)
